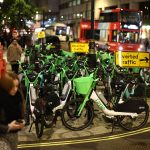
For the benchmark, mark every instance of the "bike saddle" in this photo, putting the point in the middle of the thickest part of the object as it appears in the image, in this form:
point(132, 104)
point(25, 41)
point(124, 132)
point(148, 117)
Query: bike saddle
point(46, 66)
point(70, 64)
point(69, 74)
point(58, 68)
point(48, 88)
point(32, 76)
point(51, 79)
point(24, 66)
point(27, 52)
point(80, 63)
point(38, 65)
point(118, 84)
point(109, 69)
point(133, 81)
point(55, 82)
point(106, 61)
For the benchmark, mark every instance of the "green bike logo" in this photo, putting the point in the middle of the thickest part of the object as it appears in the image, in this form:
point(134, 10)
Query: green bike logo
point(100, 104)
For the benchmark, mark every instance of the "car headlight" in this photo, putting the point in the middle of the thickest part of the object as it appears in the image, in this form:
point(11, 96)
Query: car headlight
point(141, 47)
point(120, 48)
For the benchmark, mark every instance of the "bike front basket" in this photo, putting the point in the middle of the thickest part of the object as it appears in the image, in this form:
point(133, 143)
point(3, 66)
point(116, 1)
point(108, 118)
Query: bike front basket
point(83, 84)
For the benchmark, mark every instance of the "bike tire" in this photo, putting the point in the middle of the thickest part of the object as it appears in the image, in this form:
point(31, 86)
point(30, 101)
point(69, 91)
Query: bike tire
point(48, 120)
point(27, 114)
point(128, 123)
point(39, 126)
point(73, 122)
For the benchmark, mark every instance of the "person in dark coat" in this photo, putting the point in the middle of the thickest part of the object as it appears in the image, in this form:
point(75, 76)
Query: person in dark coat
point(146, 43)
point(12, 110)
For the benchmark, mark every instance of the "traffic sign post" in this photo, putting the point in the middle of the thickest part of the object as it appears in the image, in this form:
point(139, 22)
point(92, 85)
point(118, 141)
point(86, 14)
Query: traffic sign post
point(132, 59)
point(92, 54)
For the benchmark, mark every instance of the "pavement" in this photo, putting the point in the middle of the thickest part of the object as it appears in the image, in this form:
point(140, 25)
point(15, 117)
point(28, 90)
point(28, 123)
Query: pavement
point(59, 132)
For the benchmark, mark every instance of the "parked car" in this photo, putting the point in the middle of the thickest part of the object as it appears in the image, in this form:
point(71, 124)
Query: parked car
point(54, 41)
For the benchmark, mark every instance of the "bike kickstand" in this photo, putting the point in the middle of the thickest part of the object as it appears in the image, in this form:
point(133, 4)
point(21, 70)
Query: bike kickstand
point(113, 125)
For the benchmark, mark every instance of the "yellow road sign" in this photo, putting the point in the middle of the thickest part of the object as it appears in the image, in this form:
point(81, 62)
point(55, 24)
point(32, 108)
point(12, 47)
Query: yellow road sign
point(132, 59)
point(79, 47)
point(41, 35)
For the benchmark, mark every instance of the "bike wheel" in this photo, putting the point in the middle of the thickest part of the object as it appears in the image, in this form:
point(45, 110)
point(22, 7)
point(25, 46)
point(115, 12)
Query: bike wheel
point(27, 114)
point(39, 126)
point(48, 120)
point(72, 121)
point(129, 123)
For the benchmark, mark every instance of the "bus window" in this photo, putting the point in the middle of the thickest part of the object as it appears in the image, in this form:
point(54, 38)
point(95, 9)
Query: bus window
point(128, 17)
point(103, 35)
point(96, 34)
point(109, 17)
point(88, 34)
point(114, 35)
point(128, 37)
point(61, 30)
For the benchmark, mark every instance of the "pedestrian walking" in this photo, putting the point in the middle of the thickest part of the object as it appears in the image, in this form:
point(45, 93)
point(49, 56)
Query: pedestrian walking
point(2, 44)
point(11, 111)
point(146, 43)
point(14, 55)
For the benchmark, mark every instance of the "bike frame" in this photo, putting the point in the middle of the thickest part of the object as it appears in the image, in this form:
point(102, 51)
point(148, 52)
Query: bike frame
point(66, 91)
point(101, 103)
point(30, 94)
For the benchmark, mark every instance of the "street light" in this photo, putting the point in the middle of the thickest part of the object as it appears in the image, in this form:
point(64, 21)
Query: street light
point(92, 17)
point(1, 1)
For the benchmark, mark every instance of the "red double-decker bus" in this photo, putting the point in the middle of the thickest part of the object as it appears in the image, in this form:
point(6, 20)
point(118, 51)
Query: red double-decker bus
point(85, 31)
point(118, 29)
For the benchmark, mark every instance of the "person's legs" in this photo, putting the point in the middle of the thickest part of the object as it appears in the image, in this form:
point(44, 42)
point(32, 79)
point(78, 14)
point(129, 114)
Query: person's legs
point(12, 139)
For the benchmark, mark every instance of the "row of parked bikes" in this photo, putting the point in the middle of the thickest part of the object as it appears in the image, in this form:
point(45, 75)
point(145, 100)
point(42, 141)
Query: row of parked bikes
point(60, 83)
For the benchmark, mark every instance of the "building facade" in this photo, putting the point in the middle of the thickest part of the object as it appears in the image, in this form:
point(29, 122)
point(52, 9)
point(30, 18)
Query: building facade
point(47, 5)
point(49, 10)
point(72, 11)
